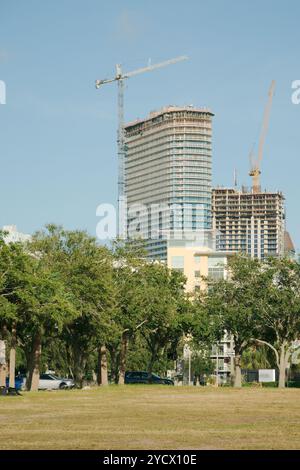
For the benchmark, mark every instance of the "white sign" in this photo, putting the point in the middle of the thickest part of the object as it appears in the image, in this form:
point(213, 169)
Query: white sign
point(266, 375)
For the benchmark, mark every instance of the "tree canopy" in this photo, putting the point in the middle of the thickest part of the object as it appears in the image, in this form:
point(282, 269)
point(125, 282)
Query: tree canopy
point(69, 304)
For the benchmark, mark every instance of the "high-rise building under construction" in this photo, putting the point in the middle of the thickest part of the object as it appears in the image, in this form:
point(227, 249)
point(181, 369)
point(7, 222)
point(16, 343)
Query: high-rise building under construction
point(252, 221)
point(168, 166)
point(249, 222)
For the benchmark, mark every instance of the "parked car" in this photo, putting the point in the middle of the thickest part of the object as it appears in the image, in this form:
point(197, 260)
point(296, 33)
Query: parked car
point(46, 382)
point(141, 377)
point(52, 382)
point(20, 381)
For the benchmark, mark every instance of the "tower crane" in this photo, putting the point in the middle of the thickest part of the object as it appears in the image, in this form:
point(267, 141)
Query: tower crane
point(255, 164)
point(120, 77)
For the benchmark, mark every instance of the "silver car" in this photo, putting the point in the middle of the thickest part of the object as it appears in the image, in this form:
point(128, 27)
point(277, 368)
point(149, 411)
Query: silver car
point(52, 382)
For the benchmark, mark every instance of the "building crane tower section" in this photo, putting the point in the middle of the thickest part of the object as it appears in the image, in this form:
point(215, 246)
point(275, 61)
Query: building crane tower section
point(255, 164)
point(120, 77)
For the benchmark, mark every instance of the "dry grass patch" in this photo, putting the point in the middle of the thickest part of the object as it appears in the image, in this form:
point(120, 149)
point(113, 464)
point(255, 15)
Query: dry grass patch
point(152, 417)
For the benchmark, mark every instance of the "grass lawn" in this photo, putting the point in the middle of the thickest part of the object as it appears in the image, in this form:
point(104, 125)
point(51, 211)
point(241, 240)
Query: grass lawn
point(152, 417)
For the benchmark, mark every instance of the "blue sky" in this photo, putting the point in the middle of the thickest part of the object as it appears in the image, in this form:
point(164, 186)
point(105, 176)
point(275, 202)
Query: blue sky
point(58, 134)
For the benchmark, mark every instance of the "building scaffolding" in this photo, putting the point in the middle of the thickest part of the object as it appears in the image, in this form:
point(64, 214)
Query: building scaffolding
point(249, 222)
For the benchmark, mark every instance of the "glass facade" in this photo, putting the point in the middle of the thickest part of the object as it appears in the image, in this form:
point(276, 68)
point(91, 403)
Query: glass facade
point(168, 171)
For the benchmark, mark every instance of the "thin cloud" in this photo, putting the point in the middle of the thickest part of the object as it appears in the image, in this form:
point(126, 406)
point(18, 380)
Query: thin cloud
point(127, 28)
point(3, 54)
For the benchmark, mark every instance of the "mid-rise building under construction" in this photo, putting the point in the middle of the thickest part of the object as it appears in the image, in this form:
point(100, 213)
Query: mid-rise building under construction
point(249, 222)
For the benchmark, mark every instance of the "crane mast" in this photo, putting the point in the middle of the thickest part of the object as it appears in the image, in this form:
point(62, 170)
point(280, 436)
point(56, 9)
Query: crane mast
point(120, 77)
point(255, 171)
point(121, 144)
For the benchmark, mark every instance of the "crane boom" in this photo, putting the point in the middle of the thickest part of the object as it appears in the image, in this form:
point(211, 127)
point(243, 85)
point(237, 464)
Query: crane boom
point(119, 78)
point(265, 125)
point(255, 164)
point(155, 66)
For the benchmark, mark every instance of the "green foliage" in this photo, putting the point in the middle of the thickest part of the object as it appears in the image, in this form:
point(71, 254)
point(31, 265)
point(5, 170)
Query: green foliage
point(68, 296)
point(201, 363)
point(86, 270)
point(257, 357)
point(279, 300)
point(165, 308)
point(232, 302)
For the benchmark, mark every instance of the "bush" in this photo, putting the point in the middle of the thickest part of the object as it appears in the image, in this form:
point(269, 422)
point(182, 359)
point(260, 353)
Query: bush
point(252, 384)
point(270, 384)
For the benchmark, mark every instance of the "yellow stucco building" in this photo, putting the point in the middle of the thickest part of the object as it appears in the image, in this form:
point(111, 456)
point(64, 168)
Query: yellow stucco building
point(195, 262)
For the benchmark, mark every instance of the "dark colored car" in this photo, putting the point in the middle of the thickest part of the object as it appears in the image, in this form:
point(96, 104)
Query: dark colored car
point(19, 382)
point(146, 378)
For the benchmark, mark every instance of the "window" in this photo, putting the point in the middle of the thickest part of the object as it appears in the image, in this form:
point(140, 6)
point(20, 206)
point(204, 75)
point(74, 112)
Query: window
point(216, 273)
point(197, 273)
point(177, 262)
point(197, 259)
point(216, 268)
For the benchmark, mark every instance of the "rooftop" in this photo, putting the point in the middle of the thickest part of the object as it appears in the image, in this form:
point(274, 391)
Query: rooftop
point(170, 109)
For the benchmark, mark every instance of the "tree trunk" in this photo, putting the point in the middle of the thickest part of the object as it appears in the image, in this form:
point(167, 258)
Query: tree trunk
point(99, 367)
point(79, 367)
point(114, 364)
point(102, 378)
point(3, 374)
point(12, 357)
point(237, 371)
point(123, 357)
point(34, 367)
point(282, 354)
point(3, 365)
point(282, 367)
point(150, 365)
point(152, 360)
point(154, 349)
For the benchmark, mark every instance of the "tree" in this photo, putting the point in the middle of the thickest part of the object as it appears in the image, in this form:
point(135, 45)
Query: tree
point(44, 306)
point(165, 308)
point(128, 314)
point(259, 303)
point(206, 329)
point(257, 356)
point(278, 304)
point(10, 256)
point(232, 305)
point(86, 269)
point(202, 365)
